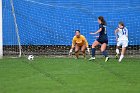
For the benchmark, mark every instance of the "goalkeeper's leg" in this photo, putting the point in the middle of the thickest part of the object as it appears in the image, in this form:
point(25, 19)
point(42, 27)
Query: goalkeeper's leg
point(77, 48)
point(83, 48)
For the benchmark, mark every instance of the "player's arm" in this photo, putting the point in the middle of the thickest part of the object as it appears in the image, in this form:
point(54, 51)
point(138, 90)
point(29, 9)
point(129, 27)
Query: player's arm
point(116, 31)
point(86, 42)
point(126, 32)
point(98, 31)
point(73, 45)
point(88, 49)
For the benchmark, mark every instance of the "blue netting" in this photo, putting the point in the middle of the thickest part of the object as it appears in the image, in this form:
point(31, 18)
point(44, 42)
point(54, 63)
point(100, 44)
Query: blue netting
point(47, 22)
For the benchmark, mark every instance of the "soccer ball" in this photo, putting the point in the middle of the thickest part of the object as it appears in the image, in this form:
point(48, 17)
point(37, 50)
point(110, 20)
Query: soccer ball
point(30, 57)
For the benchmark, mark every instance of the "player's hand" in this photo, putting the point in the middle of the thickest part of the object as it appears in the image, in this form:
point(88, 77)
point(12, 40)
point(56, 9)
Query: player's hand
point(97, 36)
point(92, 33)
point(88, 50)
point(70, 52)
point(116, 39)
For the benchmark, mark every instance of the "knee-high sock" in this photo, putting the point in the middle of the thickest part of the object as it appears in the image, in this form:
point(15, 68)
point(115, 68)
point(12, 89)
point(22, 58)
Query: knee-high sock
point(121, 57)
point(117, 51)
point(93, 52)
point(105, 53)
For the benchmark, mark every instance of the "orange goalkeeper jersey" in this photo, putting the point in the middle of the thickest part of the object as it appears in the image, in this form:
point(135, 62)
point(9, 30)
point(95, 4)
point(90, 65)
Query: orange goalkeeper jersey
point(80, 41)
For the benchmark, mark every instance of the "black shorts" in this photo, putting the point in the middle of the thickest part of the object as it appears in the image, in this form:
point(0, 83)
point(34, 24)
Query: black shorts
point(102, 40)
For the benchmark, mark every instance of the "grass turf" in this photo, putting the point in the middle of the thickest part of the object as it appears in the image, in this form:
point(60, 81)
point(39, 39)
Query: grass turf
point(67, 75)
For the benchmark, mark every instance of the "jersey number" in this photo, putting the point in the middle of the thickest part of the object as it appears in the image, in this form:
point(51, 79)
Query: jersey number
point(105, 29)
point(124, 32)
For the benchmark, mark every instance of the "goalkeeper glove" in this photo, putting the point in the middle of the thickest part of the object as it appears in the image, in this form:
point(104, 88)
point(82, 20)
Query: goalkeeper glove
point(88, 50)
point(70, 51)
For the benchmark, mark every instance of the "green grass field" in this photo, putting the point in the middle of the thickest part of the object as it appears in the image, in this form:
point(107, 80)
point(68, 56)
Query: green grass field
point(67, 75)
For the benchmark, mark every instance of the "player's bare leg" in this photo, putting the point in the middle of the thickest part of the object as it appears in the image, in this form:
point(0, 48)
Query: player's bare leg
point(77, 51)
point(77, 54)
point(122, 53)
point(96, 43)
point(83, 48)
point(103, 50)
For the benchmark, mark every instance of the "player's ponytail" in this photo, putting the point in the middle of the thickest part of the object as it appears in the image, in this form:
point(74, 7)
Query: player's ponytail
point(101, 18)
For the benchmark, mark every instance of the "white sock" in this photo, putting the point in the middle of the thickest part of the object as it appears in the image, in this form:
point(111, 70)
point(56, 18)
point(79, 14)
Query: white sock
point(117, 51)
point(121, 57)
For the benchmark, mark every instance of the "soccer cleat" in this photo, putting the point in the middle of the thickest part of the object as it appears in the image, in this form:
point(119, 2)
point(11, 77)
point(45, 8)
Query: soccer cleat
point(117, 56)
point(92, 58)
point(121, 57)
point(106, 59)
point(119, 60)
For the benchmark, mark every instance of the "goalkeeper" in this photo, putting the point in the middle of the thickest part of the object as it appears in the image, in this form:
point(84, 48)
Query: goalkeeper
point(79, 42)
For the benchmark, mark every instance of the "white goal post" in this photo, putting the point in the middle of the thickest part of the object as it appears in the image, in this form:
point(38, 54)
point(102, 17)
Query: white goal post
point(1, 29)
point(16, 27)
point(1, 39)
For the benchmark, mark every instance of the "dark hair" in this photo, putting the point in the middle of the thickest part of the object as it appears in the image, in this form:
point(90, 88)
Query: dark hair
point(77, 30)
point(101, 18)
point(122, 24)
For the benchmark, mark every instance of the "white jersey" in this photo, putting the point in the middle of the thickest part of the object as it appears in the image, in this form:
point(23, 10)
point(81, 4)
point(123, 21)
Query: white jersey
point(122, 34)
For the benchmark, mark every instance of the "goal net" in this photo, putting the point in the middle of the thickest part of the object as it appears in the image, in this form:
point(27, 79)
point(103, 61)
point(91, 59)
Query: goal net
point(46, 27)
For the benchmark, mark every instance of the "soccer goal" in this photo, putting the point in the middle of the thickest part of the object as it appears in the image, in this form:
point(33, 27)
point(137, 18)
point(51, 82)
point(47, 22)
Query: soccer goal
point(47, 27)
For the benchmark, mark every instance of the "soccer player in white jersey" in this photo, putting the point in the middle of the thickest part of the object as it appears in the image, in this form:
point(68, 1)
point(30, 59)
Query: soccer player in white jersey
point(122, 40)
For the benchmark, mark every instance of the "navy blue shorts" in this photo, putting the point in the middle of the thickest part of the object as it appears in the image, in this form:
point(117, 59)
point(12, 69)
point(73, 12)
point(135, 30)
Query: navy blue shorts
point(102, 40)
